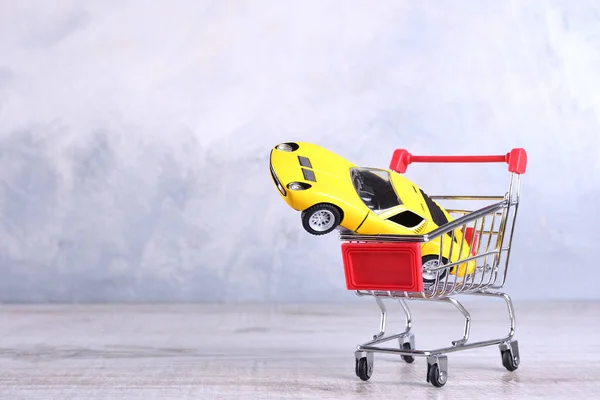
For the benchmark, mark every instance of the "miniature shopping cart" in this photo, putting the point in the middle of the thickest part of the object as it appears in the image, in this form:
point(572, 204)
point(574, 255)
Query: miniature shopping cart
point(391, 267)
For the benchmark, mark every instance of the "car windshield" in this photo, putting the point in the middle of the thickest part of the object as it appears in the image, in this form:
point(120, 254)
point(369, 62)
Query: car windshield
point(375, 188)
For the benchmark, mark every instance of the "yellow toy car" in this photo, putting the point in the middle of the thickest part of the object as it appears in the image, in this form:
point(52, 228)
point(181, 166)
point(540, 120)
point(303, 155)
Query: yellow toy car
point(332, 192)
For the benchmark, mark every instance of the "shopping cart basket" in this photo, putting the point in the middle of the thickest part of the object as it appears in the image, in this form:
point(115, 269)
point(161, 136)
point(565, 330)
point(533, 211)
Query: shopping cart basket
point(390, 266)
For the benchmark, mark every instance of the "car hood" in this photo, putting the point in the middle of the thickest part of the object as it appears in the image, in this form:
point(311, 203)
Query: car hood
point(317, 159)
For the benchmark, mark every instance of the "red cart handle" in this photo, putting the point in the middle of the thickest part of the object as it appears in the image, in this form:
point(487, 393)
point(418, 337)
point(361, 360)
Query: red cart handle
point(516, 160)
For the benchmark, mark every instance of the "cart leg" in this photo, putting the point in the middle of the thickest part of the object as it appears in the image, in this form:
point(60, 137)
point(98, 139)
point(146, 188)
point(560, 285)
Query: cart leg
point(467, 316)
point(407, 340)
point(363, 364)
point(509, 305)
point(383, 322)
point(407, 314)
point(437, 370)
point(511, 313)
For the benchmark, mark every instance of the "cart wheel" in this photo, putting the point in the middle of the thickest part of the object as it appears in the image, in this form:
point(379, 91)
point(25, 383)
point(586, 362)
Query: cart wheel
point(433, 261)
point(509, 361)
point(321, 218)
point(510, 355)
point(362, 369)
point(436, 377)
point(437, 370)
point(408, 359)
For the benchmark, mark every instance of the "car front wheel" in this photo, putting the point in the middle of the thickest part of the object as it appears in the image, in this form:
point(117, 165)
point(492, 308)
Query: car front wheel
point(321, 219)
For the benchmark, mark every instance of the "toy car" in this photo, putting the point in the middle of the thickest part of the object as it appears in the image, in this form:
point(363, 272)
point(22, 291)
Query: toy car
point(331, 192)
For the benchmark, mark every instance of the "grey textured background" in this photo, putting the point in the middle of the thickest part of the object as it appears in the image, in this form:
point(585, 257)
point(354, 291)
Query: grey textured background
point(135, 136)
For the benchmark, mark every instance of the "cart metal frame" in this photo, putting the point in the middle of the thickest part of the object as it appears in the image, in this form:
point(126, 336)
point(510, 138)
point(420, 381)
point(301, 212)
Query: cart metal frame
point(494, 227)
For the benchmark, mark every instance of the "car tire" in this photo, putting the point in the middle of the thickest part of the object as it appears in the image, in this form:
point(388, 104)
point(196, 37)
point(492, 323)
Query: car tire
point(321, 219)
point(432, 275)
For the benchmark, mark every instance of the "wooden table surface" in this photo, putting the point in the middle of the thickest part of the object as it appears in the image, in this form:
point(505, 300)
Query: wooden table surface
point(183, 351)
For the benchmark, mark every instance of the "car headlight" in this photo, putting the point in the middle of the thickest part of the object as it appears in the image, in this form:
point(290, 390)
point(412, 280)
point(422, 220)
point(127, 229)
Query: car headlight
point(288, 147)
point(284, 147)
point(298, 186)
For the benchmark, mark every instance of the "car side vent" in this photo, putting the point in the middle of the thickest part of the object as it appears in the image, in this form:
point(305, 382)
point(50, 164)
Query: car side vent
point(420, 228)
point(407, 218)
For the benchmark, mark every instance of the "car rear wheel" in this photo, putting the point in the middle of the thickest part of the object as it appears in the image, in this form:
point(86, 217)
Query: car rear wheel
point(321, 219)
point(432, 261)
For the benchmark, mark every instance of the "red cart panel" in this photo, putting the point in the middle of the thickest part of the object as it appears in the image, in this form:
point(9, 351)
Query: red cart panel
point(383, 266)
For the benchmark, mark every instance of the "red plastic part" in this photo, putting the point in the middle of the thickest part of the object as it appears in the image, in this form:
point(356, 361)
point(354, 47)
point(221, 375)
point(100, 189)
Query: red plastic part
point(516, 160)
point(469, 239)
point(400, 160)
point(383, 266)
